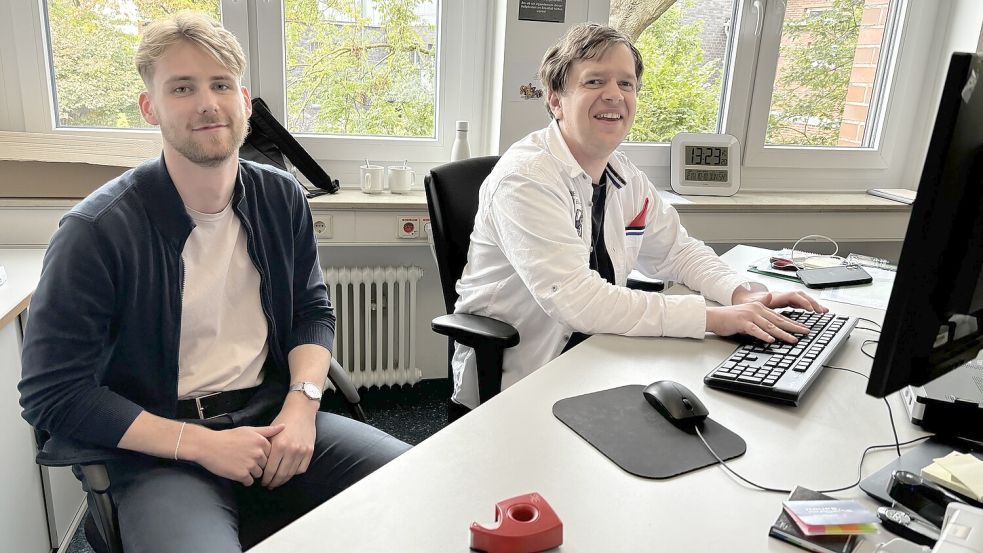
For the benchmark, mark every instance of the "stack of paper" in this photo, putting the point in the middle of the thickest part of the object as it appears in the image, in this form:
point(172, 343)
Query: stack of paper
point(960, 472)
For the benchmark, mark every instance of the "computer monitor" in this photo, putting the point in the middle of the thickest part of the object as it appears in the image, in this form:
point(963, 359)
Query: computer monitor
point(933, 320)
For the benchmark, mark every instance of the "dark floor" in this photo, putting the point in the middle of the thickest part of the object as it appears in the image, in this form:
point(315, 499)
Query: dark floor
point(410, 413)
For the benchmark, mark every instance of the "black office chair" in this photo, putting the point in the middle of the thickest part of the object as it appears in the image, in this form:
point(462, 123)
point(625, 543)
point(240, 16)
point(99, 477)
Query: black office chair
point(101, 522)
point(452, 198)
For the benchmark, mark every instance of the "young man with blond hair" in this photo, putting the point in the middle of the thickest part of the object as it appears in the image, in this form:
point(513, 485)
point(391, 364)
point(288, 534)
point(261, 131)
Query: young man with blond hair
point(563, 218)
point(182, 322)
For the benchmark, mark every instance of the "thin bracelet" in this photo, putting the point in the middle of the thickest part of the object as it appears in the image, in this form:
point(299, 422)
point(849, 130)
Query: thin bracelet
point(178, 444)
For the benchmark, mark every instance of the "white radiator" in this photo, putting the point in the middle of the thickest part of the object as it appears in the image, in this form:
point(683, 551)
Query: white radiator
point(375, 334)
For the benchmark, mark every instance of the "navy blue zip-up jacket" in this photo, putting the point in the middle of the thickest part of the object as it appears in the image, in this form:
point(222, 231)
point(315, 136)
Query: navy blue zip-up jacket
point(101, 343)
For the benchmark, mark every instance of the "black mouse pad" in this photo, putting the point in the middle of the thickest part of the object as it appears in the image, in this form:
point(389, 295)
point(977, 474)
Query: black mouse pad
point(630, 432)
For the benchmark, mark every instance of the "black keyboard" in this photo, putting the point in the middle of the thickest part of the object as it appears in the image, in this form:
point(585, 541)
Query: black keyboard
point(780, 371)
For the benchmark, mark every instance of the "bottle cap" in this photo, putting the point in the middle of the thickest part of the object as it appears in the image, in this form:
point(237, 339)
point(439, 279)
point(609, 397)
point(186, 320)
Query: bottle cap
point(462, 125)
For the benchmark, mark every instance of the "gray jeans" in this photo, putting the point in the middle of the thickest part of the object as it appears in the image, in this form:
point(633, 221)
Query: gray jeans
point(168, 506)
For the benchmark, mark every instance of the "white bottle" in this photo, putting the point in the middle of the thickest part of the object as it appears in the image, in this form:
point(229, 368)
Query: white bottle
point(460, 150)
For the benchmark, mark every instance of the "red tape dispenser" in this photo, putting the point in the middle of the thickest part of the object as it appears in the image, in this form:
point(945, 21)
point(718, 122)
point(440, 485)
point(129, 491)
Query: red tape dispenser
point(525, 524)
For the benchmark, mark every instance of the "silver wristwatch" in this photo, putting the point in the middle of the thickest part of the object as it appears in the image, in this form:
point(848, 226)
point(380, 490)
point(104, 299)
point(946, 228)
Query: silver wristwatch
point(310, 389)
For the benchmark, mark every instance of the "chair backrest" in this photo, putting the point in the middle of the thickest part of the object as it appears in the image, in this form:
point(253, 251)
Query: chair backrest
point(452, 198)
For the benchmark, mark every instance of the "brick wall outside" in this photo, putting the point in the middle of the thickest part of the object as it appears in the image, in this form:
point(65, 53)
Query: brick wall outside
point(716, 16)
point(858, 97)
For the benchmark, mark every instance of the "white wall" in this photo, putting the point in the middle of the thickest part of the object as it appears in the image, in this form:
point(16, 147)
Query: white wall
point(964, 20)
point(521, 44)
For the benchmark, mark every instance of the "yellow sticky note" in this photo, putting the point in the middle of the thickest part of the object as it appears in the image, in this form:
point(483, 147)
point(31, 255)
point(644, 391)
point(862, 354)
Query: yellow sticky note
point(966, 469)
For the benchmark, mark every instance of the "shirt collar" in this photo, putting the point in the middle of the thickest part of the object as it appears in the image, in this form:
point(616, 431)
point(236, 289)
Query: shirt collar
point(557, 146)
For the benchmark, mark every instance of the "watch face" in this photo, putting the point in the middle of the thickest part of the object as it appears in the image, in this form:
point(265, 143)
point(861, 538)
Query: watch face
point(311, 390)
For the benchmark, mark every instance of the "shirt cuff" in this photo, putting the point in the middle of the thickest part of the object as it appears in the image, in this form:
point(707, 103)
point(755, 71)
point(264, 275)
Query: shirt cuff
point(686, 316)
point(724, 292)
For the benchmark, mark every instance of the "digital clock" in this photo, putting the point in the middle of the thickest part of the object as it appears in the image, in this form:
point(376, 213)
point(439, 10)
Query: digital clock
point(705, 164)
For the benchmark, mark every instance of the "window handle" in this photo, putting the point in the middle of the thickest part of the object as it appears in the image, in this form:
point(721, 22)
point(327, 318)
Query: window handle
point(759, 17)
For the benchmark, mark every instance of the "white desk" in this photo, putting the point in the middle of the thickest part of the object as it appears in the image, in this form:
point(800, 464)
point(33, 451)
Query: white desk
point(425, 500)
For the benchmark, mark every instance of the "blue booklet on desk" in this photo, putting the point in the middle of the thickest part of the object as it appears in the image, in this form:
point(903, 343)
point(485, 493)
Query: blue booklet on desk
point(787, 530)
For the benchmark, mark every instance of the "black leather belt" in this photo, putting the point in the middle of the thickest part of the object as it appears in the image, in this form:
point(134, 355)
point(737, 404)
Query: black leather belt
point(215, 404)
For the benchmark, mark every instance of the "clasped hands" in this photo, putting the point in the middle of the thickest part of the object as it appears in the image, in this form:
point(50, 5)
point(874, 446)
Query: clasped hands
point(752, 314)
point(271, 454)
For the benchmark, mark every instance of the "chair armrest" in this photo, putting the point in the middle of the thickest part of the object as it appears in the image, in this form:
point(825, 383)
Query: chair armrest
point(476, 331)
point(63, 452)
point(339, 377)
point(646, 285)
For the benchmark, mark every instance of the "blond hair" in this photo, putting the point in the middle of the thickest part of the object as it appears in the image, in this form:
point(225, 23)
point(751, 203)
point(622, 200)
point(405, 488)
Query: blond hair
point(581, 42)
point(191, 26)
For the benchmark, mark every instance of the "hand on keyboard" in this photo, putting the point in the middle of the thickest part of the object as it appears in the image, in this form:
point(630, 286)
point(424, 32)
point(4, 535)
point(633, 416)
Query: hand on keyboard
point(782, 372)
point(753, 319)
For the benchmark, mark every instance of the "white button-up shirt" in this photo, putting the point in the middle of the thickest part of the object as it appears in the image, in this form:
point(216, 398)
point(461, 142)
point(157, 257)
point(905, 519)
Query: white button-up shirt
point(528, 263)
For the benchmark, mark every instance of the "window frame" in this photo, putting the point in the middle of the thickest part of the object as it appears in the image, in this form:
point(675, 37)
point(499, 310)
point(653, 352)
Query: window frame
point(458, 65)
point(747, 99)
point(461, 58)
point(759, 154)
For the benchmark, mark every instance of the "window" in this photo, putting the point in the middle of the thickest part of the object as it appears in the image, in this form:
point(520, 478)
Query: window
point(91, 58)
point(353, 79)
point(685, 51)
point(361, 68)
point(828, 63)
point(386, 84)
point(800, 83)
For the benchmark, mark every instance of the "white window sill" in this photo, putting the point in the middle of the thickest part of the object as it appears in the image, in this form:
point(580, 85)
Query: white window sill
point(73, 148)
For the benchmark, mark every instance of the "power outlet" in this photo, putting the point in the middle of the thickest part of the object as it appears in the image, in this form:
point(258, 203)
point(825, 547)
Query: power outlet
point(407, 226)
point(425, 227)
point(322, 227)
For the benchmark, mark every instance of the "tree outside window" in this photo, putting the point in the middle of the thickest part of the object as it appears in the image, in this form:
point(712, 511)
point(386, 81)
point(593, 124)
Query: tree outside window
point(361, 67)
point(826, 46)
point(825, 84)
point(92, 47)
point(683, 45)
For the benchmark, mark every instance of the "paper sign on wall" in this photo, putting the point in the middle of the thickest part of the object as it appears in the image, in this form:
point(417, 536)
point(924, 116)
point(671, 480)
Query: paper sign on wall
point(553, 11)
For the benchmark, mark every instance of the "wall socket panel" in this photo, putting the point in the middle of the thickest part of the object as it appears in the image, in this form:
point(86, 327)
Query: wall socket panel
point(323, 226)
point(425, 227)
point(407, 226)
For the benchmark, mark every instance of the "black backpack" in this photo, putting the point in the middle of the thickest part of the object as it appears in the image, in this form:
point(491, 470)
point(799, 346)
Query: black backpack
point(268, 142)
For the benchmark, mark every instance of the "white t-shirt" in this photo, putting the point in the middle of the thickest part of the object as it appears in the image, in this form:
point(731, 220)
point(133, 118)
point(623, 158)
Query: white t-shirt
point(223, 330)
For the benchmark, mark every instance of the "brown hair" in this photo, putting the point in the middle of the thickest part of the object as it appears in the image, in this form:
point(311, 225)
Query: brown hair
point(196, 28)
point(581, 42)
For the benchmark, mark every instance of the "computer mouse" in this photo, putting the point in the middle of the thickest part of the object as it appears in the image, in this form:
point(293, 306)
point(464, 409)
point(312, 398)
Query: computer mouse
point(675, 402)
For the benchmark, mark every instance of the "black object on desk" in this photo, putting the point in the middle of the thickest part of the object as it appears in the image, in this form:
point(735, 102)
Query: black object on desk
point(927, 499)
point(827, 277)
point(620, 424)
point(877, 485)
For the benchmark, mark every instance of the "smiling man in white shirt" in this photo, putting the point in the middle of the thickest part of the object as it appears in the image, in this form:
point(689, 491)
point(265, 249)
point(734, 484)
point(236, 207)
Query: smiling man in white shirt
point(563, 218)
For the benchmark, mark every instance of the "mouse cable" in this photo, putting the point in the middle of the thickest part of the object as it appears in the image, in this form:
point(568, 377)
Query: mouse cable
point(896, 445)
point(832, 490)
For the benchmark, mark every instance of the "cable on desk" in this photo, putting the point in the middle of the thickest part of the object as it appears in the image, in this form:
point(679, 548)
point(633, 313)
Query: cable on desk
point(832, 490)
point(866, 320)
point(863, 344)
point(730, 470)
point(864, 456)
point(890, 412)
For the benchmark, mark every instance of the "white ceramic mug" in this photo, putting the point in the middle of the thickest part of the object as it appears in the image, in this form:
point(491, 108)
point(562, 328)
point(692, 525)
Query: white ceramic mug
point(401, 179)
point(373, 179)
